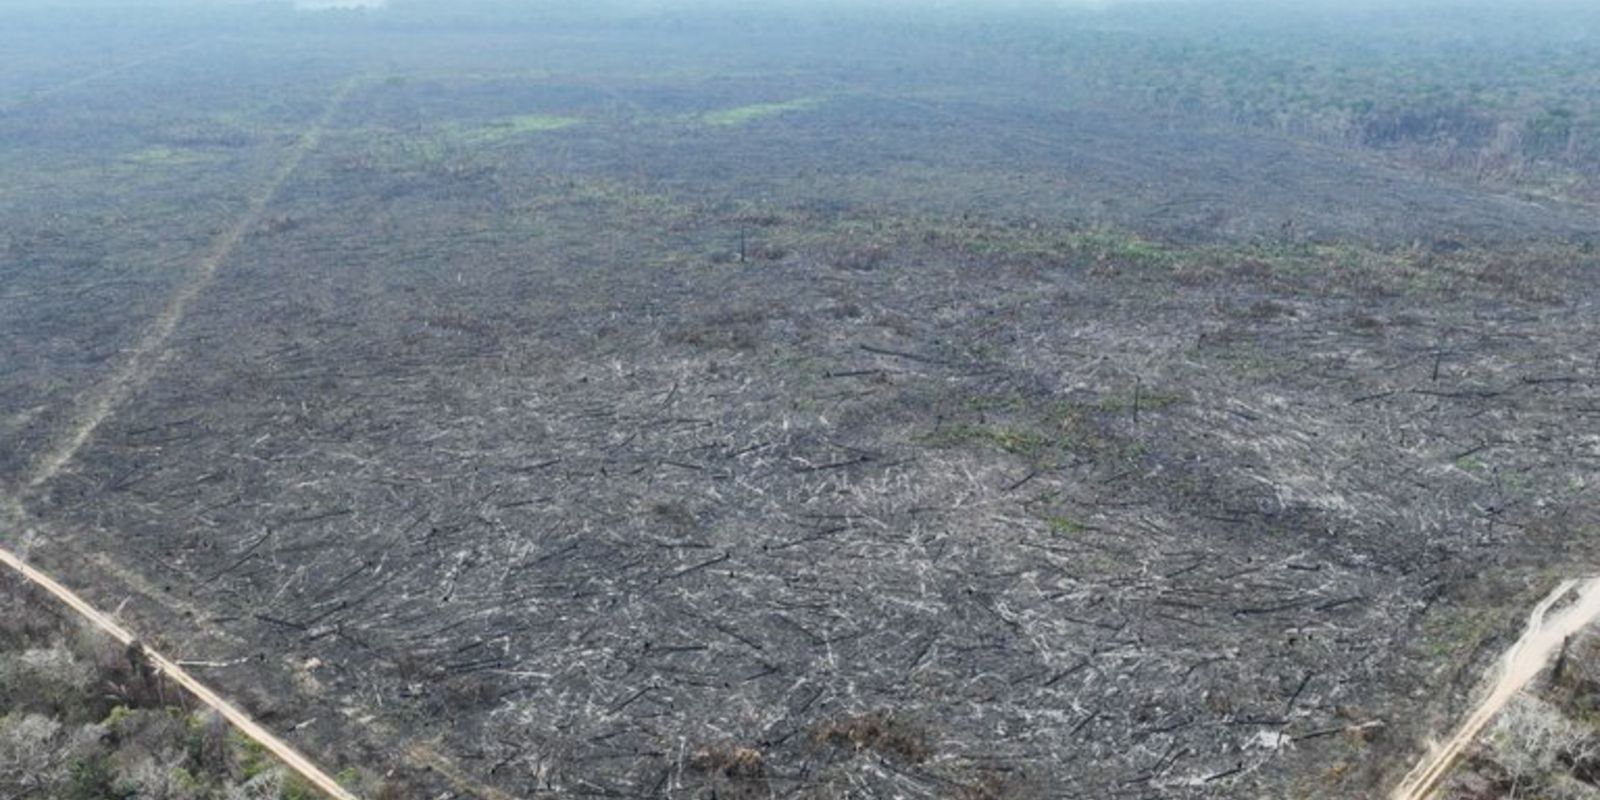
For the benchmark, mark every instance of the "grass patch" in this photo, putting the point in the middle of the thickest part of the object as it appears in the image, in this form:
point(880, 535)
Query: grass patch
point(1144, 399)
point(513, 127)
point(1067, 526)
point(1108, 246)
point(1014, 440)
point(163, 156)
point(744, 115)
point(1043, 431)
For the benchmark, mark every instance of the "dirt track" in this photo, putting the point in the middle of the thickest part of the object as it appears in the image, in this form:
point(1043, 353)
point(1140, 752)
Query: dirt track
point(170, 669)
point(143, 358)
point(1527, 657)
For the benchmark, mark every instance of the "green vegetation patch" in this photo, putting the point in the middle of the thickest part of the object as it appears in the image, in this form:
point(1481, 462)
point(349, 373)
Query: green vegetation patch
point(1067, 526)
point(1043, 431)
point(1140, 399)
point(744, 115)
point(513, 127)
point(163, 156)
point(1009, 439)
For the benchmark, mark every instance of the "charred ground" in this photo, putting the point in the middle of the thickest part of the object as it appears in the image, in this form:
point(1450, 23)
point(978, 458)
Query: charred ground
point(596, 412)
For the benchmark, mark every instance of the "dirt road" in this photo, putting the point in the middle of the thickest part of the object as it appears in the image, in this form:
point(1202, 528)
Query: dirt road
point(1522, 662)
point(292, 758)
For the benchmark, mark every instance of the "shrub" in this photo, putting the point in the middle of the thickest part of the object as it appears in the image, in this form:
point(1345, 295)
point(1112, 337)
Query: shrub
point(1536, 747)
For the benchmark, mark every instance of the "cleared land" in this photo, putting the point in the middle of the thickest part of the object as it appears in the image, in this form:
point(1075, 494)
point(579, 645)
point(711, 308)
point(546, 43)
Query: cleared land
point(1029, 449)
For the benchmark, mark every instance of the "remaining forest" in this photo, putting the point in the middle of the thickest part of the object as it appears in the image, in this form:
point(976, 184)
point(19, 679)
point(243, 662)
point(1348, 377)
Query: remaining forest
point(1502, 97)
point(508, 402)
point(86, 718)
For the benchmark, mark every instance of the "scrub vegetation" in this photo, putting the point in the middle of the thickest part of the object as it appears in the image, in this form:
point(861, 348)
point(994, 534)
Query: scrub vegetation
point(1547, 743)
point(85, 718)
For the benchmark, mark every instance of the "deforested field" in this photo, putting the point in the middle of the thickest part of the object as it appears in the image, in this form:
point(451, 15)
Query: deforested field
point(812, 407)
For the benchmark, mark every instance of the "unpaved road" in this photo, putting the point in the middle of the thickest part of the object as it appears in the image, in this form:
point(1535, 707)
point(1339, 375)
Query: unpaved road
point(1522, 662)
point(141, 360)
point(102, 402)
point(290, 757)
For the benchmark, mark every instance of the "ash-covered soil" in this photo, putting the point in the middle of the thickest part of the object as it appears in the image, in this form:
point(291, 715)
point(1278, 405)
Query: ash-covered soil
point(1024, 453)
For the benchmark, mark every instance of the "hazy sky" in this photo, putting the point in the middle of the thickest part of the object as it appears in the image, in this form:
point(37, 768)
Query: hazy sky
point(1238, 8)
point(1281, 5)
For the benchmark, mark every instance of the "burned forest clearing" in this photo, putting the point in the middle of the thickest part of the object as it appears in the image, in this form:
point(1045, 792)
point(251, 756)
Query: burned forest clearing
point(590, 411)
